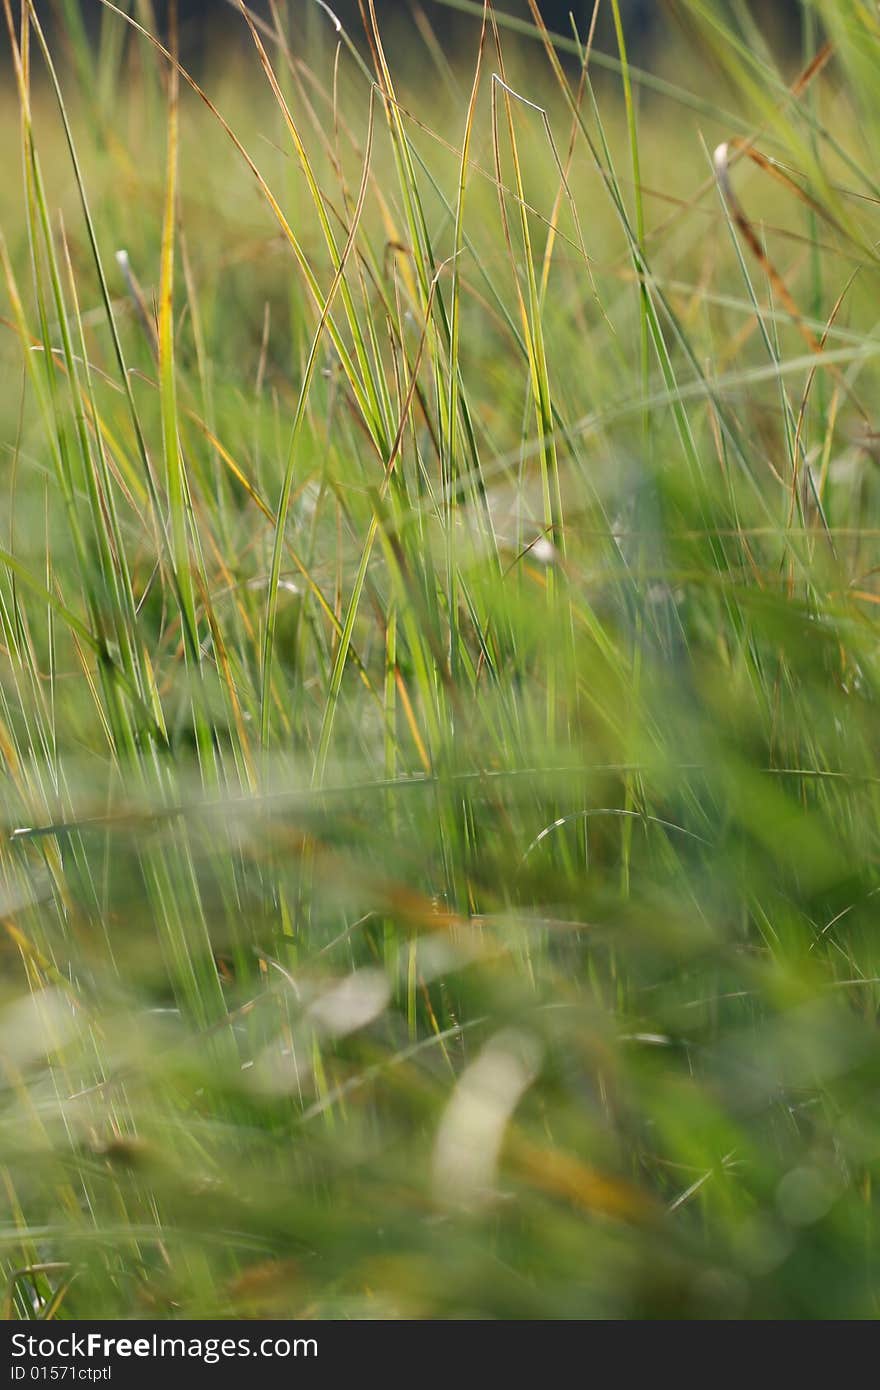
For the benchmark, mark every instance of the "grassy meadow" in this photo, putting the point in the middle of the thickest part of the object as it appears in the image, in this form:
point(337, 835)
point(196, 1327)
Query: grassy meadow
point(440, 668)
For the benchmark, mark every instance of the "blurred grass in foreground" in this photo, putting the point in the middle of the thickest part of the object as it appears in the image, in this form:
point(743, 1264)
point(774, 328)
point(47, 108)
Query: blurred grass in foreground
point(438, 690)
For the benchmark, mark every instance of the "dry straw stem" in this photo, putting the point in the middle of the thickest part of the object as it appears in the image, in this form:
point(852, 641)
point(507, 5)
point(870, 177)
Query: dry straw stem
point(722, 160)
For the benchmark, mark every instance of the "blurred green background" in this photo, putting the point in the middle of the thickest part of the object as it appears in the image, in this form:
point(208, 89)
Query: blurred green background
point(438, 707)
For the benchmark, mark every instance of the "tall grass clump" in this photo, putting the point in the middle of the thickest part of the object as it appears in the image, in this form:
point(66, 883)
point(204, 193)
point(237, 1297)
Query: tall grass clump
point(440, 856)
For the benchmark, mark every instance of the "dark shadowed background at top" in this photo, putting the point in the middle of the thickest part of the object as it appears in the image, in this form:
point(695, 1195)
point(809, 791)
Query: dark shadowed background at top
point(204, 21)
